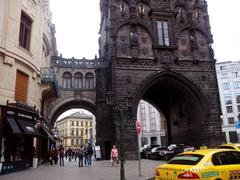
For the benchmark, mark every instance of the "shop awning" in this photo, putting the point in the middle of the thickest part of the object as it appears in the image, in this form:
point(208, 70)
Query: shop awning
point(14, 126)
point(28, 127)
point(49, 135)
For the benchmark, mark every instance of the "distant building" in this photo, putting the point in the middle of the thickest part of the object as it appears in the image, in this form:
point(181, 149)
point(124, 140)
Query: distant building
point(228, 76)
point(76, 130)
point(153, 129)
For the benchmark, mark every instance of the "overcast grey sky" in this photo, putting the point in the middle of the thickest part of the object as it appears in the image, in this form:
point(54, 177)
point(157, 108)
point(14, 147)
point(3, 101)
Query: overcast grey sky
point(77, 25)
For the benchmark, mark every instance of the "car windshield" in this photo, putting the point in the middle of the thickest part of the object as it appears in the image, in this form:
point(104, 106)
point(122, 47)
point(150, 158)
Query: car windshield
point(186, 159)
point(225, 147)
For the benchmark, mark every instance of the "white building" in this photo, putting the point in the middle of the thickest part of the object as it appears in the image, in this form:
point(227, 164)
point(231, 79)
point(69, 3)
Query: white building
point(153, 129)
point(77, 129)
point(228, 77)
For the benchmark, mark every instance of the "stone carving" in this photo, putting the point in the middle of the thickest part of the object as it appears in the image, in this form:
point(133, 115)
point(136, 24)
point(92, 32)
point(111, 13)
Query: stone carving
point(192, 40)
point(144, 39)
point(123, 38)
point(134, 38)
point(161, 4)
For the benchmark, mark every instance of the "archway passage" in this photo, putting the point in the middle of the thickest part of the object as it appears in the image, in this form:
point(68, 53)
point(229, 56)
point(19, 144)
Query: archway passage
point(72, 104)
point(182, 104)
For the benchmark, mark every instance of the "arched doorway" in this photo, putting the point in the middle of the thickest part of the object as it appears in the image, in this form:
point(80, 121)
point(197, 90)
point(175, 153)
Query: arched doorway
point(69, 104)
point(183, 105)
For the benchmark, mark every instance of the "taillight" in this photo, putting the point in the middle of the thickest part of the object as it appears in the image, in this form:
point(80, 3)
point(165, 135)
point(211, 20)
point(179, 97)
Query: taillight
point(157, 173)
point(188, 175)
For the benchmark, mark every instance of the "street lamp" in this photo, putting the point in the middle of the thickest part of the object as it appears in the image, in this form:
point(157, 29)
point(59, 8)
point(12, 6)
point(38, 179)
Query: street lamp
point(120, 124)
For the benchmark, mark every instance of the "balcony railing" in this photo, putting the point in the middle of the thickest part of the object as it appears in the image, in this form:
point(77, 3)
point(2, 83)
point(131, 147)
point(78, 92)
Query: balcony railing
point(49, 76)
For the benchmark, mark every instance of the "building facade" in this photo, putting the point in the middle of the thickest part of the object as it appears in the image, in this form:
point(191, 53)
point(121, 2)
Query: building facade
point(76, 130)
point(228, 75)
point(153, 125)
point(159, 51)
point(27, 42)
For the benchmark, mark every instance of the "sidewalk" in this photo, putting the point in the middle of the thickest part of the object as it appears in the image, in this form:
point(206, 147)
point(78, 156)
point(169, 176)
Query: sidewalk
point(100, 170)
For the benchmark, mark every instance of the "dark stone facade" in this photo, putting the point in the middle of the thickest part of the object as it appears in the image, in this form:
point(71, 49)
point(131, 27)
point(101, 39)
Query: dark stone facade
point(159, 51)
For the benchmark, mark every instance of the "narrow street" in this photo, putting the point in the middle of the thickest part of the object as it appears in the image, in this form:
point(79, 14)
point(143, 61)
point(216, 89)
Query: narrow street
point(100, 170)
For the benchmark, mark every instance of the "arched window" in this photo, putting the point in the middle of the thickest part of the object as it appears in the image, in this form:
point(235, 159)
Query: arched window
point(89, 83)
point(78, 80)
point(67, 80)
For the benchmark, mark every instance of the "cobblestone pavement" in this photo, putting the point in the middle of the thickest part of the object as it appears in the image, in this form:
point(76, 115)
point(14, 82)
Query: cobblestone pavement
point(100, 170)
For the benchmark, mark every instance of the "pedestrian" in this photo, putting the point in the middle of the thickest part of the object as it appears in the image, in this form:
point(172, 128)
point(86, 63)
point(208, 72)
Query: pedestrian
point(85, 155)
point(80, 156)
point(70, 154)
point(61, 155)
point(53, 154)
point(89, 154)
point(76, 154)
point(114, 155)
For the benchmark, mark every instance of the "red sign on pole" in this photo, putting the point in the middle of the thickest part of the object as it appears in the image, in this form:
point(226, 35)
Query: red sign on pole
point(138, 127)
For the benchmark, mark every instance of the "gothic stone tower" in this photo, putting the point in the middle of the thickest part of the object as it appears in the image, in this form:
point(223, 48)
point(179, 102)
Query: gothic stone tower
point(159, 51)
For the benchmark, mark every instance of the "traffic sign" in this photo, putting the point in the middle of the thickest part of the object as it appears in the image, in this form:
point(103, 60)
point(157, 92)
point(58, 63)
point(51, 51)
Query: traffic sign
point(237, 125)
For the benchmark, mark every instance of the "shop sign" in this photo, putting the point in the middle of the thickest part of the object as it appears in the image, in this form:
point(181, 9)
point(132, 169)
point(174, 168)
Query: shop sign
point(25, 116)
point(10, 112)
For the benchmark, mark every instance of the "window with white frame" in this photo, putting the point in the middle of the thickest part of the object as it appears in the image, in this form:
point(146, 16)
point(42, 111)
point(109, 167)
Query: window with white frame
point(236, 84)
point(235, 74)
point(231, 120)
point(238, 98)
point(228, 99)
point(229, 109)
point(152, 117)
point(226, 86)
point(224, 75)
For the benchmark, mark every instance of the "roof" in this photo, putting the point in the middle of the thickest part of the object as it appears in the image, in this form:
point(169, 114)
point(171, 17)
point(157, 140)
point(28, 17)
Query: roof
point(207, 151)
point(78, 115)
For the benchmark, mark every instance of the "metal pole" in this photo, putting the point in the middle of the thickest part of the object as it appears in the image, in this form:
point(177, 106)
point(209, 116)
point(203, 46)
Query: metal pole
point(139, 159)
point(122, 173)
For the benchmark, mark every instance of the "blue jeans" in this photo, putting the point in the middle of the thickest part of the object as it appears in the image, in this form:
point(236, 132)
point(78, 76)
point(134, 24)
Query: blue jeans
point(89, 159)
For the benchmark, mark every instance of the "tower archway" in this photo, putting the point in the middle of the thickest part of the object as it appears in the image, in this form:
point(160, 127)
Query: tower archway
point(181, 102)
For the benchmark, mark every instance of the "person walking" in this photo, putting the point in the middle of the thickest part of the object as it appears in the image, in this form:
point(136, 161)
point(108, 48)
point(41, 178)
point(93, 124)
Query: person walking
point(89, 154)
point(52, 155)
point(80, 156)
point(61, 155)
point(85, 155)
point(70, 153)
point(114, 155)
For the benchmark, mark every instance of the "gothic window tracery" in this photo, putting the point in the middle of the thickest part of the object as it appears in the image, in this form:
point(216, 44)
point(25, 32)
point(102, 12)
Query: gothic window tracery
point(67, 80)
point(89, 81)
point(78, 80)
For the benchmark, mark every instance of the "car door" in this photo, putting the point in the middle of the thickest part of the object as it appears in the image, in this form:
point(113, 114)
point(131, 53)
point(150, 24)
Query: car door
point(227, 164)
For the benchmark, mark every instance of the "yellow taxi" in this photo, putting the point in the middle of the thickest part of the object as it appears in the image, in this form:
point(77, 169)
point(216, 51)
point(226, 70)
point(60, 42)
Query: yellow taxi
point(206, 164)
point(235, 146)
